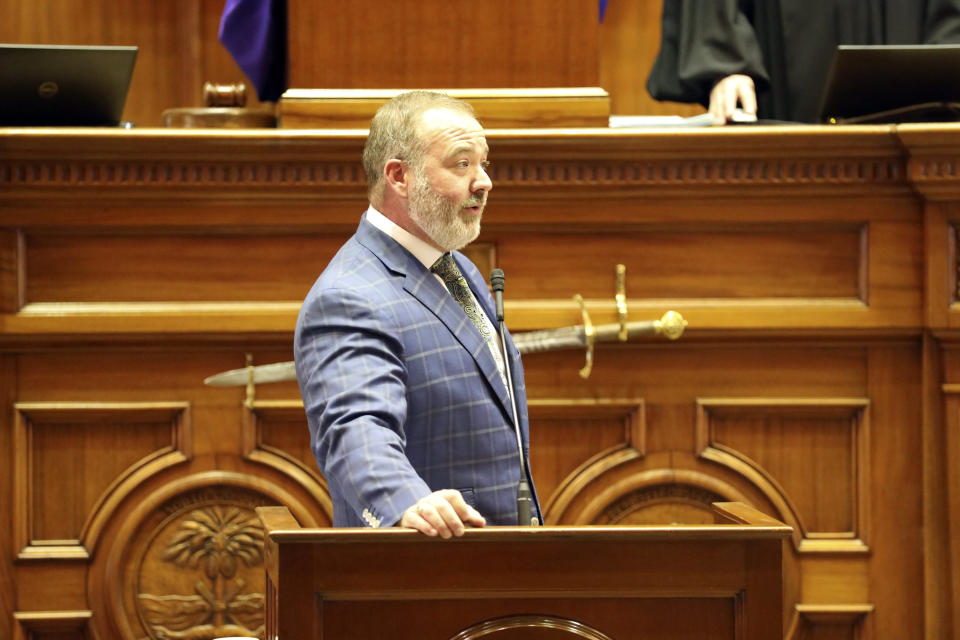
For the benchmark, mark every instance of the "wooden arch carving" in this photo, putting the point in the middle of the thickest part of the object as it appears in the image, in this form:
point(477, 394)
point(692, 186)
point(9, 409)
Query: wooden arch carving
point(187, 561)
point(613, 490)
point(531, 627)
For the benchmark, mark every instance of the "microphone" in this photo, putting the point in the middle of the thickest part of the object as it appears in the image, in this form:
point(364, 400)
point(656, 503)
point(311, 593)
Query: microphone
point(524, 496)
point(496, 281)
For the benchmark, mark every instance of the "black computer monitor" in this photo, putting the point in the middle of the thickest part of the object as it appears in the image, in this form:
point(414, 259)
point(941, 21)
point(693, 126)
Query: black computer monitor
point(893, 83)
point(57, 85)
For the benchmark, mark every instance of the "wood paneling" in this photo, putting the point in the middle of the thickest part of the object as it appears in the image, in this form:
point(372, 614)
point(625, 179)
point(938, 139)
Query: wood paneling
point(951, 441)
point(8, 392)
point(893, 385)
point(571, 433)
point(704, 618)
point(747, 262)
point(803, 258)
point(188, 268)
point(436, 44)
point(12, 271)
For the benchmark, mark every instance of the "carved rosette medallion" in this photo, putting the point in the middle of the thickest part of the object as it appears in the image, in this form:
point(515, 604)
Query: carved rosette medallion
point(199, 573)
point(662, 504)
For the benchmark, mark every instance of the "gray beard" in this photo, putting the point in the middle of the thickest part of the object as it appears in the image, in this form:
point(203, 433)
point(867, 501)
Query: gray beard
point(441, 219)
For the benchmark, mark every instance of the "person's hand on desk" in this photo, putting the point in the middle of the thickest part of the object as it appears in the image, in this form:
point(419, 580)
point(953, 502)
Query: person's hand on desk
point(730, 91)
point(444, 513)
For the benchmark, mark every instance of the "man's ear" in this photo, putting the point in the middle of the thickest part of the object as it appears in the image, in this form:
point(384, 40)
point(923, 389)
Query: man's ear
point(397, 177)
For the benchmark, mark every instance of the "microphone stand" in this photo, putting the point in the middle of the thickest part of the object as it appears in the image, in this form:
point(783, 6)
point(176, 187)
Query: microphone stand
point(524, 496)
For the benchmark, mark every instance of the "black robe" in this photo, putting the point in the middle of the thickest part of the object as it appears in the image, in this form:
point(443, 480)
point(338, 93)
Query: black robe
point(786, 46)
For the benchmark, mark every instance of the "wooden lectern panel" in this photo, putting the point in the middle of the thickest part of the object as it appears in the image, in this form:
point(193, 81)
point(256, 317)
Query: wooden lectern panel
point(440, 44)
point(720, 581)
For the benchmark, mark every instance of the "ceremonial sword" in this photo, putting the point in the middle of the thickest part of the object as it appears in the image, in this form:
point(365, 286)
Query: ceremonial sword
point(670, 326)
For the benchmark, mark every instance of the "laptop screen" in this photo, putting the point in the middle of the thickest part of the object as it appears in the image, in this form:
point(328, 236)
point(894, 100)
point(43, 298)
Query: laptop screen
point(868, 79)
point(53, 85)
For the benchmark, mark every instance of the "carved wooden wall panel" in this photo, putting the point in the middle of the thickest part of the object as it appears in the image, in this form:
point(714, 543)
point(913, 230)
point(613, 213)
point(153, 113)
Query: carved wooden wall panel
point(65, 488)
point(70, 268)
point(155, 468)
point(815, 397)
point(809, 456)
point(749, 261)
point(808, 383)
point(577, 434)
point(195, 566)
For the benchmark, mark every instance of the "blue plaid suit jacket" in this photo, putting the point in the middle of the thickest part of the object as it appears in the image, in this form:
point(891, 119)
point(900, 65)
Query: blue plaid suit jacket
point(402, 394)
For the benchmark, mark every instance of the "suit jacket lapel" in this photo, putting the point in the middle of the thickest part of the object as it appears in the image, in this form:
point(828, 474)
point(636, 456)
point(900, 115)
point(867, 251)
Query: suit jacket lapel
point(423, 286)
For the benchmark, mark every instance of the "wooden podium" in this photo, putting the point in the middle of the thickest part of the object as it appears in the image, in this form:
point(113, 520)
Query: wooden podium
point(504, 583)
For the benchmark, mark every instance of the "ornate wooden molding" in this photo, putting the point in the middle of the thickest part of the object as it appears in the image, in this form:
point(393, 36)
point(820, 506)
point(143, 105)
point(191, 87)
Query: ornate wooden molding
point(934, 164)
point(672, 492)
point(178, 174)
point(325, 164)
point(273, 180)
point(638, 489)
point(149, 537)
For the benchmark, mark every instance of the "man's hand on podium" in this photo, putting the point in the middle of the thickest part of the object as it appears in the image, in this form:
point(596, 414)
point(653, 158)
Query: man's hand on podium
point(444, 513)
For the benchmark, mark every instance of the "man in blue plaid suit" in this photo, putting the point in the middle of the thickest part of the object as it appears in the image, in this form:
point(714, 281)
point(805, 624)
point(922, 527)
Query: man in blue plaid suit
point(403, 384)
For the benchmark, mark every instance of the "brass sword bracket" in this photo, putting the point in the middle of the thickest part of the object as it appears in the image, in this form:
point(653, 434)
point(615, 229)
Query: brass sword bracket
point(671, 325)
point(251, 397)
point(589, 334)
point(621, 299)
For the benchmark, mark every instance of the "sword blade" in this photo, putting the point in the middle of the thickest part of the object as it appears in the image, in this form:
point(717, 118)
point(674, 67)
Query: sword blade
point(276, 372)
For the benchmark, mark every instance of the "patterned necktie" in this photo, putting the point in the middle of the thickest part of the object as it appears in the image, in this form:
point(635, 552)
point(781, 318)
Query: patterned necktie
point(448, 271)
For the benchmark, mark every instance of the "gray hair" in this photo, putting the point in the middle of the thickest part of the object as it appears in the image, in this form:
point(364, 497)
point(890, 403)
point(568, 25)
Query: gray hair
point(395, 133)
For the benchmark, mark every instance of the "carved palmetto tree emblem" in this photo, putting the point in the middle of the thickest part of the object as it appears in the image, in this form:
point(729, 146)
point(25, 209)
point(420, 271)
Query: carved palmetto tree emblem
point(217, 540)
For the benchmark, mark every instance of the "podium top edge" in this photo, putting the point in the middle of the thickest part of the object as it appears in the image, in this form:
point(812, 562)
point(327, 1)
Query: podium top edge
point(592, 533)
point(471, 93)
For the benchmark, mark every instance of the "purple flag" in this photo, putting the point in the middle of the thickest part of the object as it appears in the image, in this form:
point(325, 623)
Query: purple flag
point(603, 8)
point(255, 34)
